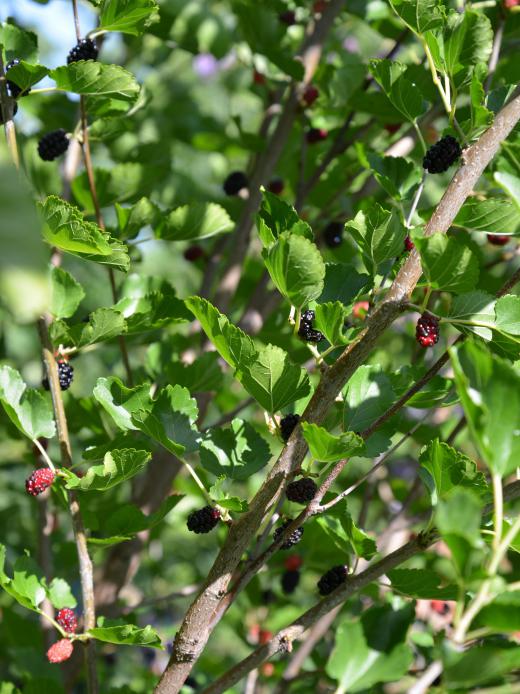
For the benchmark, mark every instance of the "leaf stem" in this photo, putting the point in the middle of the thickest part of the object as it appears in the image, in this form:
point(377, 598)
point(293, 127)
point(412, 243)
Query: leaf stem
point(415, 202)
point(44, 455)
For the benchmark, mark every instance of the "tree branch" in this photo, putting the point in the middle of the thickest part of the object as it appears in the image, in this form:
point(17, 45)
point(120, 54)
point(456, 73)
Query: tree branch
point(200, 617)
point(85, 563)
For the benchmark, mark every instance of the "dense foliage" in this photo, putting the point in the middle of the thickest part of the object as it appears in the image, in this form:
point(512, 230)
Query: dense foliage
point(260, 366)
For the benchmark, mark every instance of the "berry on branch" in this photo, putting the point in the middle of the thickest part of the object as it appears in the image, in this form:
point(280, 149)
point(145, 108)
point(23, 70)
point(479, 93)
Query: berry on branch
point(333, 234)
point(39, 481)
point(53, 144)
point(60, 651)
point(203, 520)
point(65, 375)
point(276, 186)
point(332, 579)
point(288, 18)
point(314, 135)
point(301, 491)
point(293, 538)
point(427, 330)
point(85, 49)
point(306, 331)
point(498, 239)
point(13, 89)
point(293, 562)
point(194, 253)
point(442, 155)
point(67, 620)
point(409, 244)
point(310, 94)
point(235, 182)
point(287, 425)
point(290, 580)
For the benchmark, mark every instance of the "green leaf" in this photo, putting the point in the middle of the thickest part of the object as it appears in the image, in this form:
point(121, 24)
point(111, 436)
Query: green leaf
point(326, 447)
point(363, 545)
point(222, 497)
point(493, 215)
point(199, 220)
point(276, 216)
point(502, 615)
point(436, 393)
point(481, 117)
point(18, 43)
point(468, 40)
point(67, 294)
point(127, 16)
point(121, 402)
point(171, 420)
point(330, 320)
point(127, 635)
point(511, 184)
point(481, 664)
point(443, 468)
point(422, 584)
point(128, 520)
point(379, 234)
point(103, 324)
point(66, 229)
point(233, 345)
point(88, 77)
point(357, 667)
point(132, 219)
point(28, 581)
point(343, 283)
point(420, 15)
point(477, 307)
point(29, 410)
point(296, 268)
point(152, 310)
point(448, 263)
point(236, 452)
point(272, 379)
point(26, 75)
point(118, 466)
point(60, 594)
point(507, 311)
point(403, 94)
point(202, 375)
point(458, 519)
point(368, 394)
point(398, 176)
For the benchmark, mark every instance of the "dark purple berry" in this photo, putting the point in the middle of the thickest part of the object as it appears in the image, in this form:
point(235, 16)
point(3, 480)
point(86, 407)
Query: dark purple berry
point(13, 89)
point(194, 253)
point(427, 330)
point(301, 491)
point(53, 144)
point(85, 49)
point(333, 234)
point(288, 17)
point(276, 186)
point(287, 425)
point(306, 331)
point(332, 579)
point(289, 581)
point(442, 155)
point(65, 375)
point(235, 182)
point(203, 520)
point(293, 538)
point(316, 135)
point(498, 239)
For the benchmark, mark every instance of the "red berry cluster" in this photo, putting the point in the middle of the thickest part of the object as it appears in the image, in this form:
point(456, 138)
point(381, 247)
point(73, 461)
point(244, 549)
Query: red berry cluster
point(498, 239)
point(60, 651)
point(427, 330)
point(67, 620)
point(39, 481)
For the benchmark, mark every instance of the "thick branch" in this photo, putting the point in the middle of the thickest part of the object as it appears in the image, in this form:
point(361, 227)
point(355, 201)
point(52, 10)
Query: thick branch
point(85, 563)
point(200, 618)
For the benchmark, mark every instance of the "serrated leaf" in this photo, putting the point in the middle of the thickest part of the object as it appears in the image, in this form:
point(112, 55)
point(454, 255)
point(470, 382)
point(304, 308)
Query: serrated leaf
point(91, 78)
point(330, 320)
point(66, 229)
point(507, 312)
point(152, 310)
point(368, 394)
point(202, 375)
point(128, 520)
point(326, 447)
point(495, 215)
point(127, 16)
point(468, 40)
point(398, 176)
point(29, 410)
point(511, 184)
point(276, 216)
point(443, 468)
point(448, 263)
point(67, 293)
point(198, 220)
point(379, 235)
point(237, 452)
point(103, 324)
point(272, 379)
point(403, 94)
point(118, 466)
point(477, 307)
point(344, 283)
point(422, 584)
point(60, 594)
point(363, 545)
point(420, 15)
point(127, 635)
point(170, 420)
point(132, 219)
point(121, 402)
point(28, 581)
point(296, 268)
point(26, 75)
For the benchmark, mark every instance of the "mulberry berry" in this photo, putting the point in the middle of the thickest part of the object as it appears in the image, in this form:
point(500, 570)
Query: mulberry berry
point(60, 651)
point(288, 18)
point(65, 375)
point(67, 620)
point(53, 144)
point(293, 563)
point(409, 244)
point(194, 253)
point(289, 581)
point(203, 520)
point(310, 95)
point(498, 239)
point(332, 579)
point(276, 186)
point(301, 491)
point(287, 425)
point(333, 234)
point(427, 330)
point(442, 155)
point(316, 135)
point(235, 182)
point(306, 331)
point(39, 481)
point(85, 49)
point(13, 89)
point(293, 538)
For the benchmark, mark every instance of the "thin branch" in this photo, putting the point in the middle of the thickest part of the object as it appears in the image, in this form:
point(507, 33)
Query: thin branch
point(200, 617)
point(76, 19)
point(495, 52)
point(427, 678)
point(7, 112)
point(85, 563)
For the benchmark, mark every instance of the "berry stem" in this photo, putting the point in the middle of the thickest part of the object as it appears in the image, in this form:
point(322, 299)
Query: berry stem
point(425, 302)
point(415, 202)
point(44, 455)
point(420, 137)
point(198, 481)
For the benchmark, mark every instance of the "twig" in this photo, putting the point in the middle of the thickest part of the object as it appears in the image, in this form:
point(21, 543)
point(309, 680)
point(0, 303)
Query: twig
point(85, 563)
point(195, 629)
point(6, 110)
point(495, 52)
point(427, 678)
